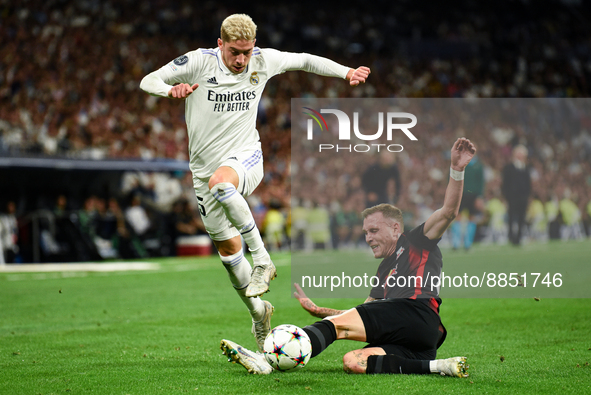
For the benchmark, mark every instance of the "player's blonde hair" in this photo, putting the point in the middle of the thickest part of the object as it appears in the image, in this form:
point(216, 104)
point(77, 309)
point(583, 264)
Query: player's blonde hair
point(238, 27)
point(387, 210)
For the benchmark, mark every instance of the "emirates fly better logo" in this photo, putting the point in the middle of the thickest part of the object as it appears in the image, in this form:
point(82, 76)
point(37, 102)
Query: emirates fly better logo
point(344, 130)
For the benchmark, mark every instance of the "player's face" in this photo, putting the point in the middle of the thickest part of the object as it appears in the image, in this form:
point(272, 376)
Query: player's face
point(236, 54)
point(381, 234)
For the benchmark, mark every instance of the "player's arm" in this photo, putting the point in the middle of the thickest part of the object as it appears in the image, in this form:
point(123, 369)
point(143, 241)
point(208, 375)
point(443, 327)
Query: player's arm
point(286, 61)
point(310, 307)
point(317, 311)
point(461, 153)
point(171, 80)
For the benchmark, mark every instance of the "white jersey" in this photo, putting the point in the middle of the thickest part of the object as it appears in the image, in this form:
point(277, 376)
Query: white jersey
point(221, 113)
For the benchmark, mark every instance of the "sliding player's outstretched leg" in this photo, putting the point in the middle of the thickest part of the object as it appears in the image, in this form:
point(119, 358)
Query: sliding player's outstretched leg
point(455, 367)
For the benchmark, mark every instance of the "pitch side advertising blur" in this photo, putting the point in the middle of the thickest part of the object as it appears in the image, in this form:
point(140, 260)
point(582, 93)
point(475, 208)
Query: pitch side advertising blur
point(335, 142)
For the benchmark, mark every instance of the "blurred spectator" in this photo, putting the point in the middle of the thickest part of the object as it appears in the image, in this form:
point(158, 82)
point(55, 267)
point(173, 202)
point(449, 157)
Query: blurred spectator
point(464, 227)
point(105, 229)
point(87, 217)
point(124, 242)
point(9, 235)
point(318, 221)
point(299, 224)
point(138, 183)
point(495, 218)
point(571, 218)
point(516, 190)
point(378, 178)
point(186, 221)
point(536, 219)
point(186, 230)
point(349, 225)
point(105, 223)
point(552, 209)
point(61, 206)
point(274, 227)
point(137, 217)
point(165, 190)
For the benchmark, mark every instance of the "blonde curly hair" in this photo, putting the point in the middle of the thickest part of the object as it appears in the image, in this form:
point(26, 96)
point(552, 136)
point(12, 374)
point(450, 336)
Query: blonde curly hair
point(238, 27)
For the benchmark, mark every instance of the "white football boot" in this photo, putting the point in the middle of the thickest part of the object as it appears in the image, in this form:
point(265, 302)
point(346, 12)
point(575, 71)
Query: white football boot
point(254, 362)
point(261, 329)
point(455, 367)
point(260, 277)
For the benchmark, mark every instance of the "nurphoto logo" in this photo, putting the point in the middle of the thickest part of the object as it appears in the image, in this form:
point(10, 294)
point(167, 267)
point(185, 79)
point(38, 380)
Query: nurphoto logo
point(344, 129)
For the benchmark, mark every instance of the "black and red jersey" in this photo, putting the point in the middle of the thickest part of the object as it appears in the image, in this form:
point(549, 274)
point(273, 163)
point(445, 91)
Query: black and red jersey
point(408, 273)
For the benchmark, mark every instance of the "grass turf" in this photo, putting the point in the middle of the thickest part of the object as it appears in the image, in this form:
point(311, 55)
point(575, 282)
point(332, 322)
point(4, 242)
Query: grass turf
point(158, 332)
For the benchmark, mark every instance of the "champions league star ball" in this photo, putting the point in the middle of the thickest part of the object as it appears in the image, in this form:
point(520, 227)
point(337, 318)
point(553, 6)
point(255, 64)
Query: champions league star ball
point(287, 348)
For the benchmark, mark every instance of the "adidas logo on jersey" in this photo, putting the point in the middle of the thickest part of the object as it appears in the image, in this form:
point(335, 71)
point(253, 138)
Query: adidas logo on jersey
point(212, 80)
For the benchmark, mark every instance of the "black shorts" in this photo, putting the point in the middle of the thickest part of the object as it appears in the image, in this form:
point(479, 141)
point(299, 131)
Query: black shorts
point(409, 328)
point(469, 203)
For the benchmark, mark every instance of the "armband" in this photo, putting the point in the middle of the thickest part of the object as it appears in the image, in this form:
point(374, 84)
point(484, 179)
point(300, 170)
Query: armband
point(456, 175)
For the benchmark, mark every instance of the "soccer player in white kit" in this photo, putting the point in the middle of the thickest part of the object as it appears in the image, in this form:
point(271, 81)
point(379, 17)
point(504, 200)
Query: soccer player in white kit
point(222, 88)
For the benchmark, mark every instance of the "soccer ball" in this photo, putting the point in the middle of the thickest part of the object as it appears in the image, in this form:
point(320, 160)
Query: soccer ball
point(287, 348)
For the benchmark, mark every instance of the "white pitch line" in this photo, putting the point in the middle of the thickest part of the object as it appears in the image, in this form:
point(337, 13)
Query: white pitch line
point(79, 267)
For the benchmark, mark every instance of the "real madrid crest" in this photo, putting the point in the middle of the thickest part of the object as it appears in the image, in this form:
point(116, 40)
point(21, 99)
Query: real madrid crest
point(254, 78)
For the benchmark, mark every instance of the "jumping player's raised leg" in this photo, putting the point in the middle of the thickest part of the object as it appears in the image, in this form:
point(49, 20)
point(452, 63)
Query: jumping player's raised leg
point(233, 180)
point(223, 185)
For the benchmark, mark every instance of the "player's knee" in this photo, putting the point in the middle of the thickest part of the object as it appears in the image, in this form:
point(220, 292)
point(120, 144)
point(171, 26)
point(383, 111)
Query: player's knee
point(217, 179)
point(229, 247)
point(223, 175)
point(351, 363)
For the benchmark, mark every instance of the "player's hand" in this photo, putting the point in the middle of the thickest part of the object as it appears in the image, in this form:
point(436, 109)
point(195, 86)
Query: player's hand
point(181, 91)
point(358, 76)
point(306, 303)
point(462, 153)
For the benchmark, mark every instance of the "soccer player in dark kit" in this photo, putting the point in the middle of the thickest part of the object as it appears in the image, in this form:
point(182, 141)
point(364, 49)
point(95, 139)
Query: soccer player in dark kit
point(400, 319)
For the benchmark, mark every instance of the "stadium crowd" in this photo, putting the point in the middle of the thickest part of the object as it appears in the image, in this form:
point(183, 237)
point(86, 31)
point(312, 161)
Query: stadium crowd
point(69, 87)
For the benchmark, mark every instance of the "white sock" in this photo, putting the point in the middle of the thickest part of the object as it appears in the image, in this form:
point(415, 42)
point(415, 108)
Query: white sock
point(238, 212)
point(433, 366)
point(239, 269)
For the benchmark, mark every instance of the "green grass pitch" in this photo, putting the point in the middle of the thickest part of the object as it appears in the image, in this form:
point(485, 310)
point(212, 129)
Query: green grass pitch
point(158, 332)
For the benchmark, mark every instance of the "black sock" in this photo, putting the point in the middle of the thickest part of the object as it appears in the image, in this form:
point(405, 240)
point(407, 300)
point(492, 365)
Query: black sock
point(321, 334)
point(391, 363)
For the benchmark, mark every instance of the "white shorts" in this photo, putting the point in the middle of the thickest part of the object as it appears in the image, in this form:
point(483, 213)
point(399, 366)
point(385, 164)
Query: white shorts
point(248, 164)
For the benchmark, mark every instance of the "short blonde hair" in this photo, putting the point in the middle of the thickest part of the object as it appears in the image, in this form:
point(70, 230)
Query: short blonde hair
point(238, 27)
point(387, 210)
